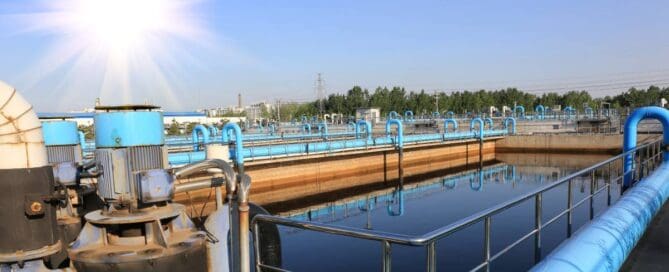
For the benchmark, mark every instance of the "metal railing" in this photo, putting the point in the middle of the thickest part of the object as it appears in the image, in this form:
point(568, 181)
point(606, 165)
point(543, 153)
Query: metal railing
point(646, 158)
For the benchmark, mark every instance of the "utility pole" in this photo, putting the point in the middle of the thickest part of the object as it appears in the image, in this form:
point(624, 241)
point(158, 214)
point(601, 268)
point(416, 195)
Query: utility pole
point(320, 93)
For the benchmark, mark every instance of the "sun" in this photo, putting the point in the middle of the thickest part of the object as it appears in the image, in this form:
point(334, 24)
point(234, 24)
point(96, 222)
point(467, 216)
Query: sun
point(132, 51)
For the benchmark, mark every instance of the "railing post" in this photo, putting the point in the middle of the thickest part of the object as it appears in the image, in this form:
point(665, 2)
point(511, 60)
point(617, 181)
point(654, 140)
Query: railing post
point(608, 186)
point(486, 243)
point(570, 202)
point(537, 227)
point(387, 251)
point(592, 194)
point(431, 257)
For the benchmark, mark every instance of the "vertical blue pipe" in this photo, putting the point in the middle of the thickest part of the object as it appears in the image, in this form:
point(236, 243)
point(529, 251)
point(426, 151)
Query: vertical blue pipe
point(450, 121)
point(407, 114)
point(629, 138)
point(490, 123)
point(513, 124)
point(521, 109)
point(400, 132)
point(307, 128)
point(196, 138)
point(368, 129)
point(480, 122)
point(540, 110)
point(233, 127)
point(323, 129)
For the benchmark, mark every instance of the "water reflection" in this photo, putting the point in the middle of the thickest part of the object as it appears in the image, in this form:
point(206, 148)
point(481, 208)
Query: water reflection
point(419, 207)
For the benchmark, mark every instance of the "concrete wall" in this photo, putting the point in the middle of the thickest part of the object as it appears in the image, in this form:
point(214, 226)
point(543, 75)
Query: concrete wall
point(569, 143)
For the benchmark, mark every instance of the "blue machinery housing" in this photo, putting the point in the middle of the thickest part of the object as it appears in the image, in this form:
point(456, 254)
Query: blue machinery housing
point(605, 243)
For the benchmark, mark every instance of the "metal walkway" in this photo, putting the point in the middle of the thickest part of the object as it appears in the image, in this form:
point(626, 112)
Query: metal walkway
point(652, 251)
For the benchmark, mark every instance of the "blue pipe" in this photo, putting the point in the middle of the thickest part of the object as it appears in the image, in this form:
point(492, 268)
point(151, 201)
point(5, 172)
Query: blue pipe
point(407, 114)
point(213, 131)
point(450, 114)
point(629, 139)
point(307, 128)
point(540, 111)
point(323, 129)
point(351, 126)
point(589, 112)
point(238, 157)
point(570, 111)
point(368, 129)
point(521, 109)
point(450, 121)
point(435, 115)
point(272, 129)
point(392, 115)
point(196, 138)
point(513, 124)
point(400, 133)
point(605, 243)
point(490, 123)
point(480, 122)
point(304, 119)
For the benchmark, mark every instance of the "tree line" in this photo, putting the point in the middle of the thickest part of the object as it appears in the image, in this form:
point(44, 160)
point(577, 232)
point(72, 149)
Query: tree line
point(422, 102)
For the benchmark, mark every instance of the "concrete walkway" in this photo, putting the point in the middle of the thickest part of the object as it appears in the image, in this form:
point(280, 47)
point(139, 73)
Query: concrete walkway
point(652, 251)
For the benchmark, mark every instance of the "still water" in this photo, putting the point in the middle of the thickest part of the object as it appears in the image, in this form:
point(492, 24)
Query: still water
point(421, 206)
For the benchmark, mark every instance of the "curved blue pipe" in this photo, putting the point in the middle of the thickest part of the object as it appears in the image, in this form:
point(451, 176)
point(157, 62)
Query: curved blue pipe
point(589, 112)
point(569, 111)
point(199, 129)
point(400, 132)
point(392, 115)
point(351, 126)
point(480, 122)
point(238, 155)
point(307, 128)
point(450, 121)
point(629, 138)
point(450, 114)
point(407, 114)
point(272, 129)
point(540, 110)
point(304, 118)
point(490, 123)
point(521, 109)
point(513, 124)
point(323, 129)
point(435, 115)
point(368, 129)
point(472, 182)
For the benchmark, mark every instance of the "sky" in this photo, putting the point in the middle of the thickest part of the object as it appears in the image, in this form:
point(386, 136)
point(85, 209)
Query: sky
point(209, 51)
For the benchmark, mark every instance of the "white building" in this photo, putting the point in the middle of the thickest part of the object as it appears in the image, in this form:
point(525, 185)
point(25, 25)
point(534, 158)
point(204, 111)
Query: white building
point(373, 115)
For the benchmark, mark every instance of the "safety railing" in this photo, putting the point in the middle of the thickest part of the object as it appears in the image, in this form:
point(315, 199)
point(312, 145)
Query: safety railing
point(646, 158)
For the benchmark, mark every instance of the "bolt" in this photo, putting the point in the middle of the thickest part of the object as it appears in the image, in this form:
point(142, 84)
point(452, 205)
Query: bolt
point(36, 207)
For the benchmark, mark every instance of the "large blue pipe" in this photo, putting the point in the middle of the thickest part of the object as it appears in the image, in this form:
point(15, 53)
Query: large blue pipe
point(540, 110)
point(368, 129)
point(307, 128)
point(521, 109)
point(238, 156)
point(392, 115)
point(490, 123)
point(513, 124)
point(199, 129)
point(450, 114)
point(605, 243)
point(629, 139)
point(450, 121)
point(323, 129)
point(400, 133)
point(473, 123)
point(408, 115)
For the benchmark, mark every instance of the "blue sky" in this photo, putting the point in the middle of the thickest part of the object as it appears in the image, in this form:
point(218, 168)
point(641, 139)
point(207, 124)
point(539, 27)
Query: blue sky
point(274, 49)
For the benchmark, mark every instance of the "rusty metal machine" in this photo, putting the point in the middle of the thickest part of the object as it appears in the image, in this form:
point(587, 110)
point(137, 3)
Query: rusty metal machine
point(139, 229)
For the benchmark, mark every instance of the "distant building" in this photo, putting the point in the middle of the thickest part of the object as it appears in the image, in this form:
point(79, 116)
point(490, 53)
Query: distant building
point(373, 115)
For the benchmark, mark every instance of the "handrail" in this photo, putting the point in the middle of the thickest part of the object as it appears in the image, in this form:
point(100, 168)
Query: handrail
point(429, 239)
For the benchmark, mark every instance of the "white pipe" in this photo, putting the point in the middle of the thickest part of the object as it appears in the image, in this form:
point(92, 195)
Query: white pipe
point(21, 140)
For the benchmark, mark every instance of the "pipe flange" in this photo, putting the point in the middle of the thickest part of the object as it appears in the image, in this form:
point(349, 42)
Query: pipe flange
point(20, 256)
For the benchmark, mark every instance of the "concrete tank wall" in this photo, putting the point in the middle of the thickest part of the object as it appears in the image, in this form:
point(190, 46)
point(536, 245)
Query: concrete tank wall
point(569, 143)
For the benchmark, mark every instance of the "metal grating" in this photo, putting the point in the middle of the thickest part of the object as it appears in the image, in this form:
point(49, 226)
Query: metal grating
point(60, 153)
